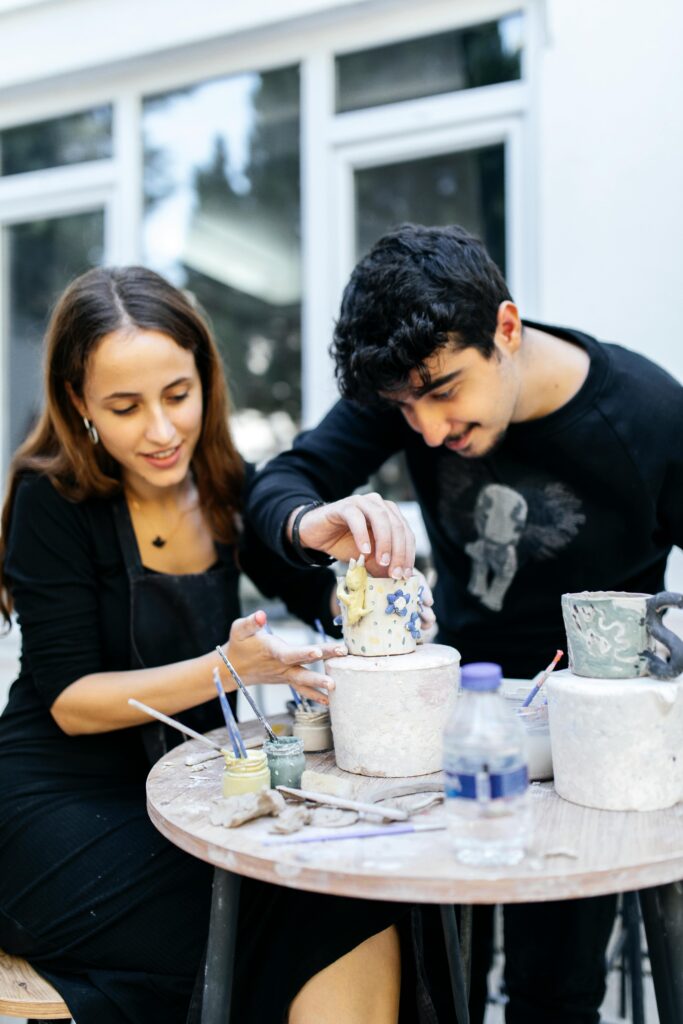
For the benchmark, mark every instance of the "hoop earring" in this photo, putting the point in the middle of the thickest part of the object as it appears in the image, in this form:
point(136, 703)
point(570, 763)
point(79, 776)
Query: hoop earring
point(91, 430)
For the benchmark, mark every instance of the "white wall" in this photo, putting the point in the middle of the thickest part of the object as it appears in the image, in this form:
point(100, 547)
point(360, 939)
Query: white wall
point(610, 151)
point(91, 33)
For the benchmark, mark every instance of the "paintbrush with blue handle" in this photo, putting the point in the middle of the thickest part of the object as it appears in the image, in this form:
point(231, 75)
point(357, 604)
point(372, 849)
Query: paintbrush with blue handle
point(234, 733)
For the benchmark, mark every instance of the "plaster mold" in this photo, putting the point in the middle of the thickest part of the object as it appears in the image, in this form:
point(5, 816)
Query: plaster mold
point(617, 744)
point(388, 714)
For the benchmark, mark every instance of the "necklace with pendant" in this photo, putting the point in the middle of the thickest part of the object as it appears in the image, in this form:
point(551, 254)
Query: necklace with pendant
point(158, 541)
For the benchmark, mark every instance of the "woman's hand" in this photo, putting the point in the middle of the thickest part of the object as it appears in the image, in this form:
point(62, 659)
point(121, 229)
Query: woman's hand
point(361, 524)
point(260, 657)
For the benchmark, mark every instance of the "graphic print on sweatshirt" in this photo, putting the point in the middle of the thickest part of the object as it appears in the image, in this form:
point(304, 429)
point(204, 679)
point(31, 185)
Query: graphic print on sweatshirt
point(501, 527)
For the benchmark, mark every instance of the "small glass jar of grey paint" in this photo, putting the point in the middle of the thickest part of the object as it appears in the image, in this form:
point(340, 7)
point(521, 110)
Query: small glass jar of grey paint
point(286, 761)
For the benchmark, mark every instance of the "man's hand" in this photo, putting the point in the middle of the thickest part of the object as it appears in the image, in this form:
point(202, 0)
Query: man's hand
point(362, 524)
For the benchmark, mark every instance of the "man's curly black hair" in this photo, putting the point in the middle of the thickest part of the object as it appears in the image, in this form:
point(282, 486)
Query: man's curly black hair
point(417, 289)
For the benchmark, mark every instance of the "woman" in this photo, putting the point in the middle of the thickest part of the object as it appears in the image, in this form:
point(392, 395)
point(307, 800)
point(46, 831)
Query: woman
point(120, 537)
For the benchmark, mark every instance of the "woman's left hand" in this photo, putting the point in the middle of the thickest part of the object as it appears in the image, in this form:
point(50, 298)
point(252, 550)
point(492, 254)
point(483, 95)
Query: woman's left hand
point(261, 657)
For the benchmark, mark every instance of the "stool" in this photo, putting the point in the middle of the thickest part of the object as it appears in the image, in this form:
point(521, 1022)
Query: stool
point(23, 993)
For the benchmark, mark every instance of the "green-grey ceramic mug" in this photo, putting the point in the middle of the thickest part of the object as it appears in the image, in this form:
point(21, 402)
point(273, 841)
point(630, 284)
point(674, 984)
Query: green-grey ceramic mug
point(616, 635)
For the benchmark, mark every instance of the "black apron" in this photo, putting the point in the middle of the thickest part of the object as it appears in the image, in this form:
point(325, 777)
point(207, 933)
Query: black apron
point(175, 618)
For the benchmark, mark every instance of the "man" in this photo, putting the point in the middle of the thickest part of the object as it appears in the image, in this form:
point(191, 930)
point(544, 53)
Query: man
point(543, 462)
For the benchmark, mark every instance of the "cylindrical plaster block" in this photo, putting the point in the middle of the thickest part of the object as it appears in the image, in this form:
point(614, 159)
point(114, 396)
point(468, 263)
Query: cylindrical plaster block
point(389, 713)
point(617, 744)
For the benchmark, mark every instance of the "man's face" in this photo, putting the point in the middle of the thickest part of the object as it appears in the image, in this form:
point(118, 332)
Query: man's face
point(469, 400)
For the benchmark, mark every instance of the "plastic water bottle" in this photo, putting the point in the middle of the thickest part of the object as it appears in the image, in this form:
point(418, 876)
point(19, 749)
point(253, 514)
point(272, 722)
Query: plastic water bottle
point(485, 765)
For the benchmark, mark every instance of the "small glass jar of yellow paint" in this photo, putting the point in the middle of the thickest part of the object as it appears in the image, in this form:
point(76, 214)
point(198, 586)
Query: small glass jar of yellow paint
point(286, 761)
point(245, 774)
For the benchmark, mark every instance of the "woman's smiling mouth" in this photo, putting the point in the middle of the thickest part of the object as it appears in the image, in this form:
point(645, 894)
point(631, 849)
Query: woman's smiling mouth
point(163, 459)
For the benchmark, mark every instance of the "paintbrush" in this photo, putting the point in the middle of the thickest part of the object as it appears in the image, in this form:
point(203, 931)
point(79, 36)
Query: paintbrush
point(238, 747)
point(319, 629)
point(247, 696)
point(299, 699)
point(345, 803)
point(361, 832)
point(540, 679)
point(173, 724)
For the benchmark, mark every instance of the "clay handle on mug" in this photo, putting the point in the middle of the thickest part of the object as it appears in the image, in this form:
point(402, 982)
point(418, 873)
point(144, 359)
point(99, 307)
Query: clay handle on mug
point(655, 607)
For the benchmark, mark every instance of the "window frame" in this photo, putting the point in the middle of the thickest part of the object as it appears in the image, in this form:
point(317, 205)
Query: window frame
point(329, 142)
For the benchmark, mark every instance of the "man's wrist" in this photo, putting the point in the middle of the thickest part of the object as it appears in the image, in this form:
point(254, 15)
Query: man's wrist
point(309, 556)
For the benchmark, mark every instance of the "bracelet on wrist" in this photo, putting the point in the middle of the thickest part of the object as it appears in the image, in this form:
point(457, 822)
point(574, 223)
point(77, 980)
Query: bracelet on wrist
point(308, 555)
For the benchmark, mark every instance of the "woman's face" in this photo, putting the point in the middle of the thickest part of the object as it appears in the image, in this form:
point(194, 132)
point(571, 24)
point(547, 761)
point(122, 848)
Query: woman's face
point(143, 393)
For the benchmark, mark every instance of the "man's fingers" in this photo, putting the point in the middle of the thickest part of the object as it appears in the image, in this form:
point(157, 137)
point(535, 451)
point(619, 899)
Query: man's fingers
point(427, 617)
point(356, 521)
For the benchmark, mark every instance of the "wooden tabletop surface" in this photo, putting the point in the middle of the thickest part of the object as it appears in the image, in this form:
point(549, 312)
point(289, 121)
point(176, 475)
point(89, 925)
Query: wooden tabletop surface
point(575, 851)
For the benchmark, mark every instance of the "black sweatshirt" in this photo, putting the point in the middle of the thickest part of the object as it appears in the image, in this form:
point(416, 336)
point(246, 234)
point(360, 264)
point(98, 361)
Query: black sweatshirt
point(589, 497)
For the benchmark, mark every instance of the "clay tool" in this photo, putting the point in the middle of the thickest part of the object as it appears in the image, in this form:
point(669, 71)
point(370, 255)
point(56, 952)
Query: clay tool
point(393, 813)
point(238, 747)
point(173, 724)
point(398, 828)
point(247, 696)
point(540, 679)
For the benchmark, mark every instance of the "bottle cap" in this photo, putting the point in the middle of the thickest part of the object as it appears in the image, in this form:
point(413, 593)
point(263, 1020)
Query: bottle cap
point(481, 675)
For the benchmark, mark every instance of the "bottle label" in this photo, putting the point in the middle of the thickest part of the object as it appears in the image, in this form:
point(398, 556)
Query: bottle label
point(485, 785)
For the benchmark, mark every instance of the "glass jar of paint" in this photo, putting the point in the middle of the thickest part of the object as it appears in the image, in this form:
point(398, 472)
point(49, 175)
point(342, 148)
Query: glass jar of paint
point(314, 728)
point(286, 761)
point(245, 774)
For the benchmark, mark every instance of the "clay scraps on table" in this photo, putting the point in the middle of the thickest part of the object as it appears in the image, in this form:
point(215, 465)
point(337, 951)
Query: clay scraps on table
point(231, 811)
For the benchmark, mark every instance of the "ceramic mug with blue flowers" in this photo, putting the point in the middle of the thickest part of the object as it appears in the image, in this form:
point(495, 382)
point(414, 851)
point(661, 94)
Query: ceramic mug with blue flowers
point(391, 623)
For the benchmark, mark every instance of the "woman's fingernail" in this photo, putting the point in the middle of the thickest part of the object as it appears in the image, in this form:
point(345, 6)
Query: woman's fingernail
point(385, 559)
point(366, 549)
point(341, 651)
point(397, 573)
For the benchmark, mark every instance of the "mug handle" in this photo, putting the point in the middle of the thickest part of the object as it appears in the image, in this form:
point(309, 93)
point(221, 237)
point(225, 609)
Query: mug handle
point(655, 607)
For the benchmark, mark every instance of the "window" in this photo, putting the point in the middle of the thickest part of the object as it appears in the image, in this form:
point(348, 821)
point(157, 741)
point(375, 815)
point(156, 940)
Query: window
point(56, 143)
point(462, 59)
point(44, 255)
point(222, 219)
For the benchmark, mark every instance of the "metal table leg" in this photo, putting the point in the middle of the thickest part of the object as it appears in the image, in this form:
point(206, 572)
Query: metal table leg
point(220, 952)
point(455, 961)
point(631, 924)
point(662, 909)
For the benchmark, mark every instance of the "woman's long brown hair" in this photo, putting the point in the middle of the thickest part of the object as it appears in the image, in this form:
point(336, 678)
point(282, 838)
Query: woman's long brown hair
point(94, 305)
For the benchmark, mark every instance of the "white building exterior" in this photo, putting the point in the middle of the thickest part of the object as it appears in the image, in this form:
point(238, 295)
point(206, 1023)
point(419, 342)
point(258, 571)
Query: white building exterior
point(590, 130)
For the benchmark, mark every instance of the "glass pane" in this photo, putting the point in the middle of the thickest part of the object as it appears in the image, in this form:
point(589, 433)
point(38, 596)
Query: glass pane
point(222, 220)
point(466, 188)
point(44, 255)
point(65, 140)
point(462, 59)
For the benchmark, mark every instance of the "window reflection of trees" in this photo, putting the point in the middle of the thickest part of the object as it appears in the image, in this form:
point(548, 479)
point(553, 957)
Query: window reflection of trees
point(43, 256)
point(240, 256)
point(57, 142)
point(465, 58)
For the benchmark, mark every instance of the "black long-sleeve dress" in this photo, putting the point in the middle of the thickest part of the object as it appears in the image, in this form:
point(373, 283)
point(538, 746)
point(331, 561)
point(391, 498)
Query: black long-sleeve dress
point(90, 893)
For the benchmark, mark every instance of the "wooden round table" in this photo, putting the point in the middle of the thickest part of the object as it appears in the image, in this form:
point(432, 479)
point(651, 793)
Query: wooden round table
point(575, 852)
